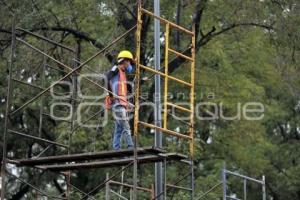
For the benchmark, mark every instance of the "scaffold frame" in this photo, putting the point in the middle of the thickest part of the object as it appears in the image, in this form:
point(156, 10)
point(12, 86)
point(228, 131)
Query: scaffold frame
point(73, 72)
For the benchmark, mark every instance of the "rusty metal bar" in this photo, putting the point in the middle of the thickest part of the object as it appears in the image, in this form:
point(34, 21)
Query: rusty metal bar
point(45, 39)
point(173, 133)
point(137, 94)
point(36, 138)
point(181, 55)
point(164, 75)
point(129, 186)
point(179, 107)
point(192, 97)
point(166, 83)
point(166, 21)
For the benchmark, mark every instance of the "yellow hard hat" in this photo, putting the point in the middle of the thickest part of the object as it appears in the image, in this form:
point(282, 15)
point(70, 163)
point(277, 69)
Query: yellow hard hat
point(125, 54)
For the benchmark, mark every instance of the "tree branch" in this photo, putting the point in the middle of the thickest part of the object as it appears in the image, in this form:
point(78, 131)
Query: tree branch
point(211, 34)
point(77, 34)
point(197, 16)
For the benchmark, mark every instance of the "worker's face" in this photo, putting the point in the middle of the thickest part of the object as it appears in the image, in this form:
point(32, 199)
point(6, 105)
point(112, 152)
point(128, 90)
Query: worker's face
point(126, 66)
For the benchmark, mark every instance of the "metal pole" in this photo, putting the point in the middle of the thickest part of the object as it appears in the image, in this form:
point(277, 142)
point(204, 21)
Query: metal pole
point(74, 95)
point(157, 101)
point(130, 194)
point(245, 189)
point(8, 105)
point(42, 98)
point(135, 163)
point(122, 181)
point(264, 187)
point(165, 179)
point(243, 176)
point(192, 180)
point(107, 187)
point(152, 192)
point(73, 102)
point(136, 100)
point(68, 180)
point(224, 181)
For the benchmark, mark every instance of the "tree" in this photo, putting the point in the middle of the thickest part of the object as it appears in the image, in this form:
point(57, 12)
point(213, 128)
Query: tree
point(247, 51)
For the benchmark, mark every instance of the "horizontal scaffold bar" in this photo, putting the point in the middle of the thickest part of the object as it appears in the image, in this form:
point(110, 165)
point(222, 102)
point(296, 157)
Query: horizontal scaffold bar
point(173, 133)
point(165, 75)
point(244, 177)
point(179, 107)
point(166, 21)
point(181, 55)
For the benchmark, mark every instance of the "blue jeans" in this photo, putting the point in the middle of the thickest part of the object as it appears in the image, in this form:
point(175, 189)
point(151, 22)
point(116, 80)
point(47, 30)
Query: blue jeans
point(122, 127)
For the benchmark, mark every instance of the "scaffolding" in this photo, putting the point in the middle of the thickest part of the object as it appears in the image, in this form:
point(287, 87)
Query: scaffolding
point(64, 164)
point(126, 158)
point(223, 184)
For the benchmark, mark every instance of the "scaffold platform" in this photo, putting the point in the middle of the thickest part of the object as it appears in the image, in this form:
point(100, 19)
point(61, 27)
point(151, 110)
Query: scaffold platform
point(100, 159)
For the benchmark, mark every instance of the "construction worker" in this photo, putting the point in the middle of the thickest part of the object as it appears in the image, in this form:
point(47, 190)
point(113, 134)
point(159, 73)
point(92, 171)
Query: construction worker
point(117, 99)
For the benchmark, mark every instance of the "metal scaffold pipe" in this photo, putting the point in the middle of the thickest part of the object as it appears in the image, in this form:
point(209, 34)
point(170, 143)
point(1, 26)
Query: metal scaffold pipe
point(8, 105)
point(157, 101)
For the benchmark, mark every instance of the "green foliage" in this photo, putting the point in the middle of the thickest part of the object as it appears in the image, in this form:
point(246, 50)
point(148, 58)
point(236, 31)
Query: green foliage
point(248, 51)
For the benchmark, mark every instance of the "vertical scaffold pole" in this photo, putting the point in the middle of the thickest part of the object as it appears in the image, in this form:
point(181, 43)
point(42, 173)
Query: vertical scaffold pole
point(264, 188)
point(245, 189)
point(42, 98)
point(224, 182)
point(165, 179)
point(137, 92)
point(107, 188)
point(192, 100)
point(8, 106)
point(157, 101)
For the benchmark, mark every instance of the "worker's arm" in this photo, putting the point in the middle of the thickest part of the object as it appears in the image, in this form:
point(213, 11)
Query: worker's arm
point(109, 75)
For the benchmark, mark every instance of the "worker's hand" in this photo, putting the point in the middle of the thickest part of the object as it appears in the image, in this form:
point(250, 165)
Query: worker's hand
point(108, 102)
point(145, 78)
